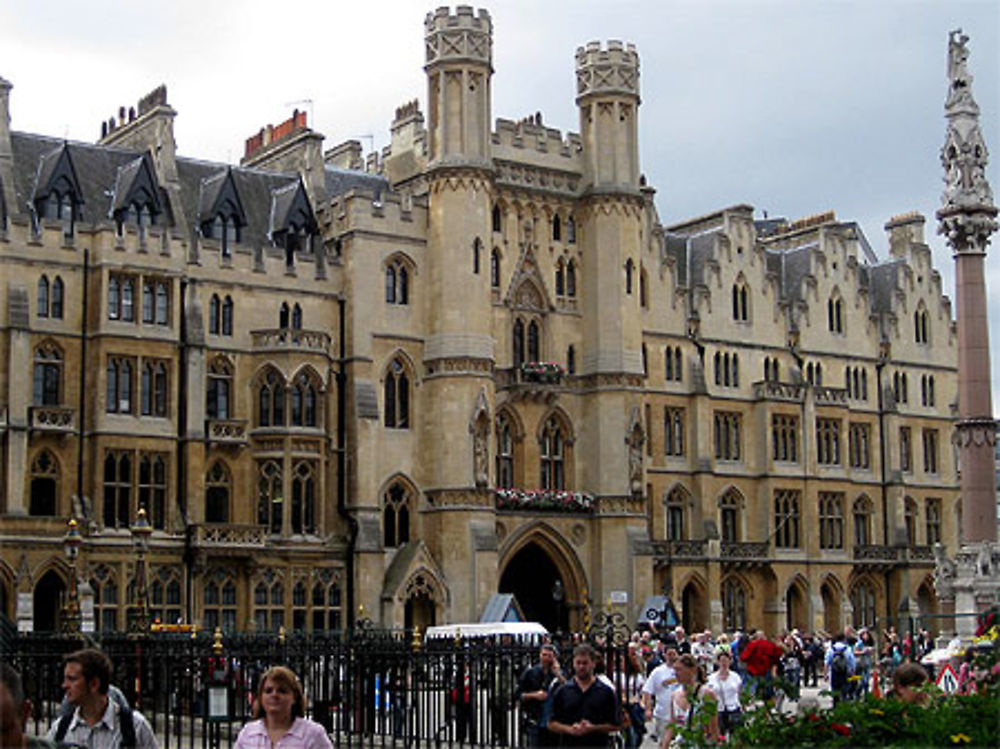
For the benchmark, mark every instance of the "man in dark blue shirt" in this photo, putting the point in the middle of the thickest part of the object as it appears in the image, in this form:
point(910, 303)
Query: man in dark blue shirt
point(584, 710)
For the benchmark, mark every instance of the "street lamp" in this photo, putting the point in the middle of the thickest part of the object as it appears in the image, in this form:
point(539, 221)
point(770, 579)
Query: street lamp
point(141, 532)
point(72, 542)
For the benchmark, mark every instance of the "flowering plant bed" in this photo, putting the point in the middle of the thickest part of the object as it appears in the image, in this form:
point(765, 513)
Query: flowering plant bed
point(541, 371)
point(544, 501)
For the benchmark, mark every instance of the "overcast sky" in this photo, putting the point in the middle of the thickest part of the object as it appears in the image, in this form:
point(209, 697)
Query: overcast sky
point(795, 107)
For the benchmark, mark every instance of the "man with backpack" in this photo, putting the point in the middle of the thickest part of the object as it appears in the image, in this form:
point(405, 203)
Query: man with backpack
point(535, 690)
point(840, 666)
point(97, 722)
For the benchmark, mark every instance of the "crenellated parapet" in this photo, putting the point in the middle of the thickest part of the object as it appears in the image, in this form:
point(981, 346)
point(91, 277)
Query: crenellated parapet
point(611, 71)
point(462, 37)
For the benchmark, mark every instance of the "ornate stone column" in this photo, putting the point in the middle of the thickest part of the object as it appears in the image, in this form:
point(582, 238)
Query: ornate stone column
point(967, 219)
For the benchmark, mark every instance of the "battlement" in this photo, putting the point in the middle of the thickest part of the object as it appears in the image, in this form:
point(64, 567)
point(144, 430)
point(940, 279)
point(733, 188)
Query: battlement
point(460, 36)
point(531, 133)
point(611, 70)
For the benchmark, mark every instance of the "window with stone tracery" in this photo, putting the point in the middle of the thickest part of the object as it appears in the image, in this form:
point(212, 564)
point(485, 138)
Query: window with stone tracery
point(729, 516)
point(165, 596)
point(104, 584)
point(396, 396)
point(270, 496)
point(553, 457)
point(47, 380)
point(862, 521)
point(218, 485)
point(269, 604)
point(676, 502)
point(219, 602)
point(304, 489)
point(44, 496)
point(505, 453)
point(396, 510)
point(734, 605)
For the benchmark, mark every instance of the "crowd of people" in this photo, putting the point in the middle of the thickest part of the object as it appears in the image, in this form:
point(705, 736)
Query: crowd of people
point(662, 682)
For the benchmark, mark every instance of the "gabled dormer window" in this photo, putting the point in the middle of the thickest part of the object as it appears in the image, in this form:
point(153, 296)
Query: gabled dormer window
point(293, 224)
point(221, 210)
point(136, 199)
point(57, 192)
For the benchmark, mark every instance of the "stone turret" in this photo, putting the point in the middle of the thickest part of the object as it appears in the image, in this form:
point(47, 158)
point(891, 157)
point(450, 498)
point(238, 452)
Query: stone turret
point(607, 85)
point(459, 66)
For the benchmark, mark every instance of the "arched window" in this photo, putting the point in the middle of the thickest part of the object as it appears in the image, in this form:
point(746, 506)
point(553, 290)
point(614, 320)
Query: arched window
point(643, 291)
point(734, 605)
point(518, 342)
point(497, 219)
point(214, 315)
point(862, 512)
point(162, 304)
point(326, 606)
point(863, 603)
point(505, 453)
point(831, 520)
point(296, 317)
point(396, 516)
point(220, 384)
point(271, 401)
point(560, 277)
point(629, 270)
point(571, 230)
point(218, 484)
point(932, 517)
point(165, 595)
point(534, 344)
point(910, 517)
point(675, 503)
point(227, 316)
point(396, 282)
point(153, 489)
point(304, 497)
point(114, 298)
point(553, 476)
point(786, 519)
point(920, 324)
point(117, 489)
point(718, 368)
point(47, 376)
point(44, 485)
point(477, 251)
point(571, 278)
point(571, 360)
point(269, 604)
point(270, 496)
point(105, 589)
point(741, 302)
point(42, 305)
point(119, 385)
point(397, 396)
point(495, 269)
point(729, 516)
point(56, 307)
point(303, 402)
point(556, 228)
point(219, 597)
point(835, 314)
point(283, 315)
point(147, 302)
point(153, 389)
point(645, 361)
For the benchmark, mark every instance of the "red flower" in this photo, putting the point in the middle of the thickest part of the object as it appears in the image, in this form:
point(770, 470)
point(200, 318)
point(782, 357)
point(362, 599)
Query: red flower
point(813, 718)
point(841, 729)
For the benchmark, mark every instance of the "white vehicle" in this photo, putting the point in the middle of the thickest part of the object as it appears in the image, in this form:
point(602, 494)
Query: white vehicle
point(531, 632)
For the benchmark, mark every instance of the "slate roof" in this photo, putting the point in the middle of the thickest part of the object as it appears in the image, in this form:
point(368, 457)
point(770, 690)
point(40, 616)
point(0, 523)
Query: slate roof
point(340, 181)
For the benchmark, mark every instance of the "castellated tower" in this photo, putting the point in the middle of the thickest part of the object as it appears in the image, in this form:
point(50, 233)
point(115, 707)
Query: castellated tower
point(611, 213)
point(458, 353)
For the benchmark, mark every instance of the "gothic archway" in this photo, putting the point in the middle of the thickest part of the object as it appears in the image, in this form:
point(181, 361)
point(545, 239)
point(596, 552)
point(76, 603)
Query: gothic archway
point(797, 607)
point(694, 607)
point(832, 619)
point(50, 594)
point(532, 562)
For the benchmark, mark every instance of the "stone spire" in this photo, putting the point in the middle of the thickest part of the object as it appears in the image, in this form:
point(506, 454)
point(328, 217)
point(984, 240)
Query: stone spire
point(967, 219)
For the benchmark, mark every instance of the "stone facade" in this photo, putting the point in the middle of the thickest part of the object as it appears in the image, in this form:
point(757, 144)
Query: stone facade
point(477, 362)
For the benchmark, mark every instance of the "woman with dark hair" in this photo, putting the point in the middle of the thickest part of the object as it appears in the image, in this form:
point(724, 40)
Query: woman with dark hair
point(689, 700)
point(279, 709)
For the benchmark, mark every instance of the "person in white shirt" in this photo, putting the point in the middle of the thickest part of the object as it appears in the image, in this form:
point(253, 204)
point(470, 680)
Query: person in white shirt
point(727, 686)
point(659, 687)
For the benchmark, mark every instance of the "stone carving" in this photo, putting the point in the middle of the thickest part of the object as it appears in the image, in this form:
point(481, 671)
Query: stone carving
point(635, 441)
point(959, 78)
point(480, 450)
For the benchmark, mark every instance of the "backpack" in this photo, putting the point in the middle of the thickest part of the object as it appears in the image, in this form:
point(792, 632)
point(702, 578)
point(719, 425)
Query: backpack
point(124, 720)
point(838, 668)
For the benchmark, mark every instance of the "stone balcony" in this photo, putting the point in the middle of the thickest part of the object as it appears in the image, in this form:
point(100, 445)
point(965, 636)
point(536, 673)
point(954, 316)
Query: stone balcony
point(290, 339)
point(531, 381)
point(829, 396)
point(921, 554)
point(52, 419)
point(226, 431)
point(745, 553)
point(786, 392)
point(876, 555)
point(229, 538)
point(682, 549)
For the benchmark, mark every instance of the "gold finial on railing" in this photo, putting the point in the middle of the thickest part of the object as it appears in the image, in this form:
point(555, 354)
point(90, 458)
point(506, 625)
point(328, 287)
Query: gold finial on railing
point(281, 634)
point(416, 642)
point(458, 636)
point(217, 641)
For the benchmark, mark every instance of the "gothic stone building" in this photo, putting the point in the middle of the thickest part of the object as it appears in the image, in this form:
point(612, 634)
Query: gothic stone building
point(475, 362)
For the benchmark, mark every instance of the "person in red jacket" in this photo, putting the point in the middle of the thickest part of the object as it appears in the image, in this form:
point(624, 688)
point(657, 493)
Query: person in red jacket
point(761, 657)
